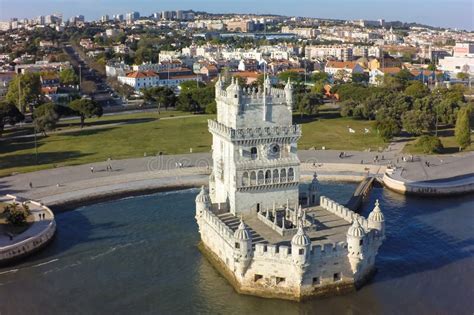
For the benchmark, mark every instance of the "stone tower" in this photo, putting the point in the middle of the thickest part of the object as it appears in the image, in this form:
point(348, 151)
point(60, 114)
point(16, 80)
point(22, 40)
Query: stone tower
point(254, 148)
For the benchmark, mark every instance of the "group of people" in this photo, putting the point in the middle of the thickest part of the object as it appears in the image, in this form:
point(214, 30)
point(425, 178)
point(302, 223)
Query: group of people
point(41, 216)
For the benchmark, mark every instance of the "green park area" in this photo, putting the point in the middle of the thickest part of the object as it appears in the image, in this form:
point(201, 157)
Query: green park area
point(133, 135)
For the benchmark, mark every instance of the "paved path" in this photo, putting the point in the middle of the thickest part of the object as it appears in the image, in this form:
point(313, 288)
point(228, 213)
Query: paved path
point(140, 173)
point(159, 170)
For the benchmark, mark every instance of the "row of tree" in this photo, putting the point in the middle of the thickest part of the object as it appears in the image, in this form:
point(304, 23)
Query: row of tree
point(46, 116)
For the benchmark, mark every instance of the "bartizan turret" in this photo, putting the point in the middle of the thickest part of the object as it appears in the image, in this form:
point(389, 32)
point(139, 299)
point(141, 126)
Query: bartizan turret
point(355, 244)
point(377, 221)
point(234, 92)
point(242, 248)
point(300, 248)
point(289, 94)
point(203, 202)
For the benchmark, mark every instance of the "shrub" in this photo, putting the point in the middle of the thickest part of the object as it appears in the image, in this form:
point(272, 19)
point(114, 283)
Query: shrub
point(429, 144)
point(16, 215)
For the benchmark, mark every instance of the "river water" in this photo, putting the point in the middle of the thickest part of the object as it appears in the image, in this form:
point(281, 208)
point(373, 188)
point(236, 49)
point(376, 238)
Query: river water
point(138, 256)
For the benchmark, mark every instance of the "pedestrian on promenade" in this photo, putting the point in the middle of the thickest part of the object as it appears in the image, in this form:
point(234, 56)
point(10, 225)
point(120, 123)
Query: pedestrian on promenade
point(92, 169)
point(30, 184)
point(39, 215)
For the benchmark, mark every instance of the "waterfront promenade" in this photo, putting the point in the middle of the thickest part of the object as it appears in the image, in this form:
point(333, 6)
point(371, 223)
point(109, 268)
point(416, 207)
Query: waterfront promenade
point(60, 185)
point(79, 183)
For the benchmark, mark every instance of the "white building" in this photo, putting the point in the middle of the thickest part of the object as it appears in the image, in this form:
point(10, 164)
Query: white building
point(256, 227)
point(345, 69)
point(145, 79)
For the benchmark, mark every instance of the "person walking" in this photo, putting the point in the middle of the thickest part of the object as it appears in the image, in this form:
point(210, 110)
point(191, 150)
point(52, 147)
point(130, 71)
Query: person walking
point(30, 184)
point(92, 169)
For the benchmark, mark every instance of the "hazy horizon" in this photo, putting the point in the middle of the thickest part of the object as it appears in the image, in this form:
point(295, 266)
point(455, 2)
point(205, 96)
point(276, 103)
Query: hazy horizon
point(452, 13)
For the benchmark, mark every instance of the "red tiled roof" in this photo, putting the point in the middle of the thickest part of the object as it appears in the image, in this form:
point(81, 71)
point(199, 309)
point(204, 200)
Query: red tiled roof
point(141, 74)
point(341, 64)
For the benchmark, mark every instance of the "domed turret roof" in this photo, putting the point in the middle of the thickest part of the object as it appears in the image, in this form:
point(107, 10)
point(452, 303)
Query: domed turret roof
point(234, 86)
point(376, 215)
point(242, 234)
point(356, 230)
point(288, 85)
point(300, 238)
point(203, 196)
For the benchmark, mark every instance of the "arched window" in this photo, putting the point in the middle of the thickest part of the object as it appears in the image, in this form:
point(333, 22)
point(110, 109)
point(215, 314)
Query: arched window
point(276, 176)
point(253, 179)
point(268, 177)
point(245, 179)
point(260, 178)
point(291, 174)
point(283, 175)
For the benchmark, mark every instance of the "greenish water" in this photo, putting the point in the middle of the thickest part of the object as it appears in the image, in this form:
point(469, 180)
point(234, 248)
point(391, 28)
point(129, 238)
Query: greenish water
point(138, 256)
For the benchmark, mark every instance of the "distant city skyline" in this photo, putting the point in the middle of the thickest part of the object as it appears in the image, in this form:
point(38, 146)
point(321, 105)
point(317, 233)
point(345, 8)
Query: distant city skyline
point(453, 13)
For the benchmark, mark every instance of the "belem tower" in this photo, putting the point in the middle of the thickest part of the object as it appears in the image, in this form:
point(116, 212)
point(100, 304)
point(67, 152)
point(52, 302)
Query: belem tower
point(257, 228)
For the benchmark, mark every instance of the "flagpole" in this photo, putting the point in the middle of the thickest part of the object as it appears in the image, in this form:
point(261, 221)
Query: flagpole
point(264, 91)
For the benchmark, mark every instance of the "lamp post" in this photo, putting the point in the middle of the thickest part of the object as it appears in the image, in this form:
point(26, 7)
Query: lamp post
point(80, 77)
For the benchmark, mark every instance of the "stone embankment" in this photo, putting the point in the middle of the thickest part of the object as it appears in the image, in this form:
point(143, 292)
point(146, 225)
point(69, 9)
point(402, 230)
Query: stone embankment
point(36, 237)
point(462, 184)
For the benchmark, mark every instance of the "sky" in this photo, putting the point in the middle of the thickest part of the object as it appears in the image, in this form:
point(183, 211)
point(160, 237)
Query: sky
point(445, 13)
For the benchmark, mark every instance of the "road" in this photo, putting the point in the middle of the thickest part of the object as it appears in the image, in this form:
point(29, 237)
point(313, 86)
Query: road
point(103, 93)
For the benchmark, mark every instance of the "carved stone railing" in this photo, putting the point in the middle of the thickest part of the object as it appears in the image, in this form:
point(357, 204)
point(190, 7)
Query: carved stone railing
point(293, 131)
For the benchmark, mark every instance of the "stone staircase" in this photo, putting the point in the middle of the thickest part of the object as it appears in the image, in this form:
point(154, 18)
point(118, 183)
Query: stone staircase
point(233, 222)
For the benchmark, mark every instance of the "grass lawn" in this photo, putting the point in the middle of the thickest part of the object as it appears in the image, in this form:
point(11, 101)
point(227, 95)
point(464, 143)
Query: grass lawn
point(144, 132)
point(332, 131)
point(447, 139)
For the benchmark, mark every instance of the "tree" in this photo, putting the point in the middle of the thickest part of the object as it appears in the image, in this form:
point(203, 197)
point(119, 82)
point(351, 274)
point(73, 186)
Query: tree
point(86, 109)
point(360, 77)
point(29, 92)
point(462, 131)
point(320, 77)
point(288, 74)
point(416, 121)
point(429, 144)
point(308, 103)
point(387, 128)
point(45, 118)
point(161, 95)
point(187, 103)
point(191, 85)
point(417, 89)
point(68, 77)
point(9, 114)
point(462, 76)
point(16, 214)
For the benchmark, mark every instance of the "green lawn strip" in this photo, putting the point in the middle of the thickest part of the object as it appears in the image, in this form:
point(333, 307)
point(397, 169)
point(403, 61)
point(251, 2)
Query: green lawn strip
point(144, 133)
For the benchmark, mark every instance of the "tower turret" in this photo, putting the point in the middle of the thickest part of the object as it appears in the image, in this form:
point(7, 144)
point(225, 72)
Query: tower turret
point(355, 244)
point(219, 84)
point(300, 247)
point(242, 248)
point(313, 190)
point(289, 94)
point(234, 91)
point(376, 220)
point(203, 202)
